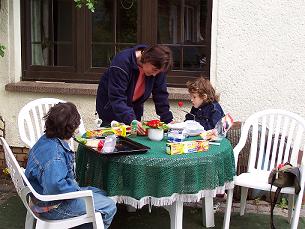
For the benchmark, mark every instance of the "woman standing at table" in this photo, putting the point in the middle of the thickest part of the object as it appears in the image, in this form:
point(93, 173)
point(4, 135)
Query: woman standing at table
point(135, 74)
point(50, 169)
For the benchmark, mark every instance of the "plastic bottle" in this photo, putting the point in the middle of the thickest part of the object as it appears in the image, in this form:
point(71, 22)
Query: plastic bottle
point(109, 144)
point(134, 128)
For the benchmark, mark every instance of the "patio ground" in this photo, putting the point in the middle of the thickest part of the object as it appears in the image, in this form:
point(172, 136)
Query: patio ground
point(12, 215)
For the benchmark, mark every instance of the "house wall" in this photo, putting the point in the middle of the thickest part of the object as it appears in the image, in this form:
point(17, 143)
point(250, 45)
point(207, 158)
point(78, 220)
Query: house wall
point(260, 55)
point(3, 39)
point(257, 61)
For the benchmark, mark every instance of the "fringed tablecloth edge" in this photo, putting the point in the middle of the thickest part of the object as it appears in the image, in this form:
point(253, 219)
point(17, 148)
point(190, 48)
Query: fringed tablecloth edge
point(169, 200)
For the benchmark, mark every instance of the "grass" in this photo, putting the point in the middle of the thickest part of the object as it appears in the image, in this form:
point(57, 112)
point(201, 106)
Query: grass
point(12, 216)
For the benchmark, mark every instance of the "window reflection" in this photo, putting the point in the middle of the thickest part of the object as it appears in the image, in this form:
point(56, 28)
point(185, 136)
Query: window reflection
point(114, 27)
point(51, 32)
point(182, 26)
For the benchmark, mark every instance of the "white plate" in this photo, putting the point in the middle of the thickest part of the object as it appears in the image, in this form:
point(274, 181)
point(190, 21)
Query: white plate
point(177, 126)
point(192, 134)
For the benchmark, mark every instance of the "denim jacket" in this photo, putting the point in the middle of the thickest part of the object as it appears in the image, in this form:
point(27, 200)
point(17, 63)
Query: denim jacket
point(50, 167)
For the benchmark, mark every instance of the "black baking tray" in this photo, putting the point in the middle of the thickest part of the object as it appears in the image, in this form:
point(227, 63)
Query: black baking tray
point(123, 146)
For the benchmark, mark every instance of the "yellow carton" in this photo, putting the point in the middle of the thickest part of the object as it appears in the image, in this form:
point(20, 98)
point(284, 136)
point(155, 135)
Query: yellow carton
point(202, 145)
point(174, 148)
point(187, 147)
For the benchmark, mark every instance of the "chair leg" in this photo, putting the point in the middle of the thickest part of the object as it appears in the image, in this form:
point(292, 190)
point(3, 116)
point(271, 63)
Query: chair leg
point(297, 210)
point(99, 221)
point(243, 200)
point(290, 207)
point(40, 224)
point(29, 221)
point(226, 221)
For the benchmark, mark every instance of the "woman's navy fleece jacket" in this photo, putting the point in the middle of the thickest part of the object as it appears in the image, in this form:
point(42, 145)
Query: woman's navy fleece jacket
point(116, 89)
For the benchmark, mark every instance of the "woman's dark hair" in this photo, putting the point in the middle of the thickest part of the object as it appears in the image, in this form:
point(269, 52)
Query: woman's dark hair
point(159, 56)
point(202, 86)
point(61, 121)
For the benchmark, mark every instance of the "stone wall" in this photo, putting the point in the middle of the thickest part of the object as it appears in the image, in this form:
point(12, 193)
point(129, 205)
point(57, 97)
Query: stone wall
point(21, 154)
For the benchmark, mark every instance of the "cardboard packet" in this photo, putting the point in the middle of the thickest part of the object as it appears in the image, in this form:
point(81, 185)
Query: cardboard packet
point(196, 146)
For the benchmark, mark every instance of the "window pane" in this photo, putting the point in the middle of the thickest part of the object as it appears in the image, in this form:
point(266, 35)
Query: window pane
point(194, 58)
point(127, 21)
point(169, 21)
point(114, 26)
point(182, 24)
point(51, 32)
point(122, 47)
point(103, 22)
point(102, 55)
point(176, 50)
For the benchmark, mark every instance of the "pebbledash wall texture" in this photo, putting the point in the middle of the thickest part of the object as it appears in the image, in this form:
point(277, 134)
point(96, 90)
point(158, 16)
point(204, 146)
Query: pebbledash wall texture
point(257, 62)
point(260, 55)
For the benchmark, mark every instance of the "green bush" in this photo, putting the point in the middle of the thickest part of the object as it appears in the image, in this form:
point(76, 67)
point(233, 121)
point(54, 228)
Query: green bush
point(2, 47)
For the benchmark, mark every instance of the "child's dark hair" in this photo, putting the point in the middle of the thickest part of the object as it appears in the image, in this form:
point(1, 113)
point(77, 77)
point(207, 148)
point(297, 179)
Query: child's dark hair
point(203, 87)
point(61, 121)
point(159, 56)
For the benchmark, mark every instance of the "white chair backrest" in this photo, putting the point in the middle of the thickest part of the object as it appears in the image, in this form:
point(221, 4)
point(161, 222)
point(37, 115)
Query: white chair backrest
point(31, 122)
point(276, 136)
point(13, 166)
point(19, 179)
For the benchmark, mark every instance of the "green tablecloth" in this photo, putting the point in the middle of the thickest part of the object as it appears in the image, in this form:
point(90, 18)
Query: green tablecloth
point(156, 174)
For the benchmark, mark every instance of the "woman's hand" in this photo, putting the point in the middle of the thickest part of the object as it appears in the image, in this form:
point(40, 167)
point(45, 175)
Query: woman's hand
point(140, 129)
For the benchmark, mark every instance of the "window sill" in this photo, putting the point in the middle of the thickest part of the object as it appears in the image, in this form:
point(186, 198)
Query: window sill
point(77, 89)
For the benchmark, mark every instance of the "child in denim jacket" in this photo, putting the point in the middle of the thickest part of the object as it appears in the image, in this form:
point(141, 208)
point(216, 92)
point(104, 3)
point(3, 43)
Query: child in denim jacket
point(50, 169)
point(206, 110)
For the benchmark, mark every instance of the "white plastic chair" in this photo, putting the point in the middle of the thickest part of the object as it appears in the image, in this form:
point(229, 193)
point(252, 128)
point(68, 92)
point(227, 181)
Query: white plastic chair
point(31, 122)
point(278, 135)
point(24, 188)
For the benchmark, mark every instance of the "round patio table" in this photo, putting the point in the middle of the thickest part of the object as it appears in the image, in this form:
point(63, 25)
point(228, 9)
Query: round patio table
point(157, 178)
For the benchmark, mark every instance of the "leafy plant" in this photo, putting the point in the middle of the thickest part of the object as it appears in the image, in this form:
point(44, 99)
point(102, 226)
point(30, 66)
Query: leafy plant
point(155, 124)
point(2, 47)
point(6, 171)
point(256, 201)
point(89, 3)
point(283, 203)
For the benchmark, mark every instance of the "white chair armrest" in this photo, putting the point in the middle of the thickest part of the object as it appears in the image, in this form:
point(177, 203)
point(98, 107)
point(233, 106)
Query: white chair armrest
point(236, 151)
point(86, 195)
point(242, 142)
point(65, 196)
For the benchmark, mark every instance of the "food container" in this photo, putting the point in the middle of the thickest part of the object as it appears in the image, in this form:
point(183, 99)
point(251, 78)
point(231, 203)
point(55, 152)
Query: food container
point(196, 146)
point(175, 136)
point(109, 144)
